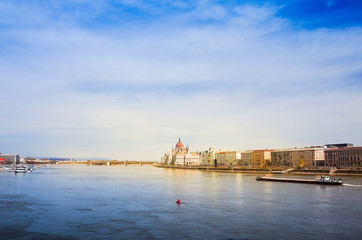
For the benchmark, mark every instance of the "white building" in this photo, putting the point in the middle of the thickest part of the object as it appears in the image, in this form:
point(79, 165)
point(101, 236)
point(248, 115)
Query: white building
point(229, 158)
point(180, 156)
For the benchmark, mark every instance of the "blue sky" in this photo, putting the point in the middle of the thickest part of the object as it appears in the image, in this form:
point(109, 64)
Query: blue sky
point(123, 79)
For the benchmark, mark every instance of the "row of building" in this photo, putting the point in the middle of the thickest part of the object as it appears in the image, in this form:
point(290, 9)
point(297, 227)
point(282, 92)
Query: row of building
point(342, 155)
point(13, 159)
point(9, 159)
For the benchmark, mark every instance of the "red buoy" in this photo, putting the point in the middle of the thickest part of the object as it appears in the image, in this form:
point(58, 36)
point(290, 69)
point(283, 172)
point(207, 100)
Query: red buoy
point(178, 201)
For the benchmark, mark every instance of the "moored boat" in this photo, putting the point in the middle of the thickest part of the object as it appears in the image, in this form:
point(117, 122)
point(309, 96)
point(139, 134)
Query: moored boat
point(22, 169)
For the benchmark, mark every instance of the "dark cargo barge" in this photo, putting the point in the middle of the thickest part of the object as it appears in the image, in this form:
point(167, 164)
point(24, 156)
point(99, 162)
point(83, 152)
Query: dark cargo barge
point(323, 180)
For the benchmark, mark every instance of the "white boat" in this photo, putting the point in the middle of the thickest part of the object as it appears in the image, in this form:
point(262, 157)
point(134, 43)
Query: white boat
point(22, 169)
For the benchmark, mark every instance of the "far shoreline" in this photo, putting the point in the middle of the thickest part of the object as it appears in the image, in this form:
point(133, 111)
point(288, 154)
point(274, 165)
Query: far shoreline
point(334, 172)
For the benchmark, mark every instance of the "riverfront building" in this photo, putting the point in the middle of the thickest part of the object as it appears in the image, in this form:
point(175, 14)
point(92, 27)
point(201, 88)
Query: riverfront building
point(343, 157)
point(180, 156)
point(229, 158)
point(233, 158)
point(261, 158)
point(10, 158)
point(203, 157)
point(208, 157)
point(282, 157)
point(308, 157)
point(246, 158)
point(221, 158)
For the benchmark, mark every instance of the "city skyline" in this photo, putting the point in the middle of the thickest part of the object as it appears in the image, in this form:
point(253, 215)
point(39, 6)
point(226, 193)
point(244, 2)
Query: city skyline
point(124, 79)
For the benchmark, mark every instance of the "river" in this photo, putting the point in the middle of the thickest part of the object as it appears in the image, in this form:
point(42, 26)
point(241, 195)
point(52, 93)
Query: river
point(139, 202)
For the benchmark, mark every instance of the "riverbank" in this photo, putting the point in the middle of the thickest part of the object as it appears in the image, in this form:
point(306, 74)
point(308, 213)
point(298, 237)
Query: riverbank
point(105, 163)
point(336, 172)
point(217, 169)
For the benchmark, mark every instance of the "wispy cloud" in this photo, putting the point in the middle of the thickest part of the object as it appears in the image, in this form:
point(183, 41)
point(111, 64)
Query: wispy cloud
point(106, 79)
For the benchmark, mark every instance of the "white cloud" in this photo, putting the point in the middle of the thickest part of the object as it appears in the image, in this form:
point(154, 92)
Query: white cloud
point(128, 93)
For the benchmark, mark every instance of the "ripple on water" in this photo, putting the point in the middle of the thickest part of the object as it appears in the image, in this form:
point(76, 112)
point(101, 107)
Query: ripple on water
point(83, 209)
point(20, 232)
point(15, 206)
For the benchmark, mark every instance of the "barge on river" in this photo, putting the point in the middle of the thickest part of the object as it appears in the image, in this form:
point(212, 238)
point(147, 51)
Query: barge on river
point(323, 180)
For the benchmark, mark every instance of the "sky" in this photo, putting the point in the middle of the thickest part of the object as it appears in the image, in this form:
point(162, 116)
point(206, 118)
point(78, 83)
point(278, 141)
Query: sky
point(123, 79)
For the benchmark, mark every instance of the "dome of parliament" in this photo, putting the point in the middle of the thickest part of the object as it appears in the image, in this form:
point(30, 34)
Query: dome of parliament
point(179, 144)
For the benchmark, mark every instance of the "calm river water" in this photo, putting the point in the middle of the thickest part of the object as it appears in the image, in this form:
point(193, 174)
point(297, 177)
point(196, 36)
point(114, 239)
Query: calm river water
point(134, 202)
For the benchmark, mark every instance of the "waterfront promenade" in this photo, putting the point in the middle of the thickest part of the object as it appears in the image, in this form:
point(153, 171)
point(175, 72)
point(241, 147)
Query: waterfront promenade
point(106, 163)
point(236, 169)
